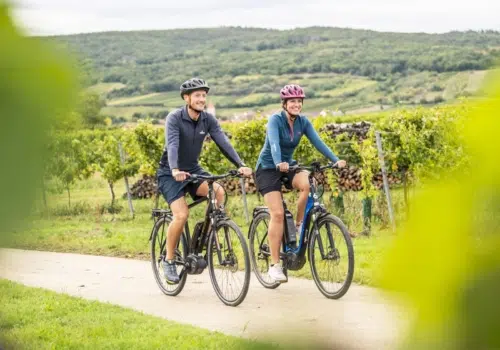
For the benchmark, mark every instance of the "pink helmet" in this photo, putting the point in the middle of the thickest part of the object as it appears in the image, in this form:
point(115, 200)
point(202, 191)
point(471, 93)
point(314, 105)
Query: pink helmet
point(292, 91)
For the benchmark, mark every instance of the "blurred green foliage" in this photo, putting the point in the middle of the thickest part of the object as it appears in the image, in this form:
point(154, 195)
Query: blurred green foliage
point(446, 261)
point(37, 91)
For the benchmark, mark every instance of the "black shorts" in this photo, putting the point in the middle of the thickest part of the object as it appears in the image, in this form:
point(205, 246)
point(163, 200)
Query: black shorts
point(269, 180)
point(173, 190)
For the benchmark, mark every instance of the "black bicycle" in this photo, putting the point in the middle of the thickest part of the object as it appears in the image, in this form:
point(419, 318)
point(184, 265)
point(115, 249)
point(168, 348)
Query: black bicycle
point(216, 242)
point(324, 237)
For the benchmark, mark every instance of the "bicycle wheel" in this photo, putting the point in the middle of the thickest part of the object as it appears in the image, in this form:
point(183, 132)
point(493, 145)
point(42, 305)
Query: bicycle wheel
point(331, 257)
point(228, 263)
point(259, 250)
point(158, 253)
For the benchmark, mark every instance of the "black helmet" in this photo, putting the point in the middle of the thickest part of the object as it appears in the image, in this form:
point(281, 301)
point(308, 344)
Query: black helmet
point(193, 84)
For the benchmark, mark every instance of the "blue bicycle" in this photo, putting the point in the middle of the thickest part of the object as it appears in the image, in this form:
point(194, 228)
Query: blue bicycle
point(324, 237)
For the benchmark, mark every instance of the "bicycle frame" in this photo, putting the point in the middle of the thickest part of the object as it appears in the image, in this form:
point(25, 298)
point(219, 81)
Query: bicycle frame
point(198, 242)
point(212, 215)
point(313, 206)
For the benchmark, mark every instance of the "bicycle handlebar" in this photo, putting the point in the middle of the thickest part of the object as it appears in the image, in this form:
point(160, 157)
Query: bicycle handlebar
point(231, 173)
point(314, 167)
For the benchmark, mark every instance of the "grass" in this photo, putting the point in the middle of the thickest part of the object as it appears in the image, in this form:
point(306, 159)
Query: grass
point(85, 228)
point(246, 78)
point(127, 112)
point(252, 98)
point(33, 318)
point(104, 88)
point(352, 87)
point(135, 99)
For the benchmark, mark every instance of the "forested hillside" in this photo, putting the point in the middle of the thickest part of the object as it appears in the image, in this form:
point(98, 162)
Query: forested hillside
point(341, 68)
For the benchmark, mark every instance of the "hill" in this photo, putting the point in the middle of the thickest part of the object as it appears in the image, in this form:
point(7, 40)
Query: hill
point(342, 69)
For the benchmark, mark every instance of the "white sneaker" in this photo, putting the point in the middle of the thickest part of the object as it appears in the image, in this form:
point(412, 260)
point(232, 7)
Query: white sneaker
point(276, 273)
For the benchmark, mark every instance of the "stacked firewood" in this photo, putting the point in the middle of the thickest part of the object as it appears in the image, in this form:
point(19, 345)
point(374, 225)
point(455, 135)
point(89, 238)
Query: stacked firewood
point(358, 130)
point(143, 188)
point(347, 179)
point(233, 186)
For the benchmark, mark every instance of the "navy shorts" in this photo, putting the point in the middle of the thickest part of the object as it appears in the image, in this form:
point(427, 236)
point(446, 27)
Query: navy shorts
point(269, 180)
point(173, 190)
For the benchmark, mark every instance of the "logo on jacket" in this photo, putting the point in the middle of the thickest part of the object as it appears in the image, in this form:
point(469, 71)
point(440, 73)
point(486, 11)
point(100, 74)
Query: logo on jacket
point(202, 132)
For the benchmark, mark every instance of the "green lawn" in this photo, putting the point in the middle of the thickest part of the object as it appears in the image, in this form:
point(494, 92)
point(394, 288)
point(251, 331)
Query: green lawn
point(33, 318)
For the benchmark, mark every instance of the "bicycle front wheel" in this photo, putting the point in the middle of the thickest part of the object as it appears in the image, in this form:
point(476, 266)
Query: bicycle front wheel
point(229, 263)
point(331, 257)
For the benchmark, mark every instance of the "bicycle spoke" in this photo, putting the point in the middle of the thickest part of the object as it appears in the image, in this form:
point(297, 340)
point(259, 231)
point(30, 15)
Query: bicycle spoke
point(158, 253)
point(260, 251)
point(229, 274)
point(331, 262)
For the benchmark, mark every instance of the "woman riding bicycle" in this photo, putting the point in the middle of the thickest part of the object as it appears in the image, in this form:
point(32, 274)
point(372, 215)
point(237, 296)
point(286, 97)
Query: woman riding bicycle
point(284, 131)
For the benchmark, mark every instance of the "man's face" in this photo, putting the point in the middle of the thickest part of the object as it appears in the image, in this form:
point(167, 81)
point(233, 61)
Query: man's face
point(294, 106)
point(196, 100)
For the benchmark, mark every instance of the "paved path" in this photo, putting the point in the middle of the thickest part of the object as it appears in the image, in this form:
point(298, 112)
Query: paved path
point(362, 319)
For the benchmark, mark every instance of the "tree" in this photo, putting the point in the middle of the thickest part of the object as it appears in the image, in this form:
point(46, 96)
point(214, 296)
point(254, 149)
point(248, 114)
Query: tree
point(150, 142)
point(71, 159)
point(89, 108)
point(109, 161)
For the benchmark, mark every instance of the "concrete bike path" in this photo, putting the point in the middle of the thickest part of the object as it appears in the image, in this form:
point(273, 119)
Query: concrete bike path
point(362, 319)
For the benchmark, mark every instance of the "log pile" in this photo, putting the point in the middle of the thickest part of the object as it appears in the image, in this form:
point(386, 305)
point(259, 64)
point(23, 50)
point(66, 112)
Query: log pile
point(143, 188)
point(232, 186)
point(347, 179)
point(358, 130)
point(393, 179)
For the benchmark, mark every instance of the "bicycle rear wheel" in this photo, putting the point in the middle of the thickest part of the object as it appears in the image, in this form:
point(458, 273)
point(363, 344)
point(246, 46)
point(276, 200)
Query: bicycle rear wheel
point(158, 254)
point(229, 263)
point(260, 250)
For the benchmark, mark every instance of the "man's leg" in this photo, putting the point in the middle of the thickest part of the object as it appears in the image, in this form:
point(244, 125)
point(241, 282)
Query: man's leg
point(202, 191)
point(180, 212)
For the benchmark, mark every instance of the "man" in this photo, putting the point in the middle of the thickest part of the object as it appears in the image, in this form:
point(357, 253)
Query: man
point(284, 131)
point(185, 131)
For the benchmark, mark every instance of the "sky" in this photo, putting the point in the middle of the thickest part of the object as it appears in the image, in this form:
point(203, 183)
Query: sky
point(55, 17)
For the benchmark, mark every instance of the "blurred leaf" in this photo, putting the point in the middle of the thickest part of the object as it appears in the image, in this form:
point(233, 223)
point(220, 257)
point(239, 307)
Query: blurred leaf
point(446, 261)
point(37, 89)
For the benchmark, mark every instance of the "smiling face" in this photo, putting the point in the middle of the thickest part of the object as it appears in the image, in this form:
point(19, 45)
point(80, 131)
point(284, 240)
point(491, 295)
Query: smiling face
point(196, 100)
point(293, 106)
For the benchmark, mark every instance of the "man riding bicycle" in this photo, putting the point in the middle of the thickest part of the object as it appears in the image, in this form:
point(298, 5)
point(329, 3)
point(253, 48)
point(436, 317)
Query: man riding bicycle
point(185, 131)
point(284, 131)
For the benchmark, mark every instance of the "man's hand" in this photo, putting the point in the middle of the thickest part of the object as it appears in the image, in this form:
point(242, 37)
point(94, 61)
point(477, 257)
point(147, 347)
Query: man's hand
point(341, 163)
point(283, 167)
point(180, 175)
point(245, 171)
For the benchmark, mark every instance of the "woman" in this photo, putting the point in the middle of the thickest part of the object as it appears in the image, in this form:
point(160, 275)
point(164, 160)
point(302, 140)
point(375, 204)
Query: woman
point(284, 131)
